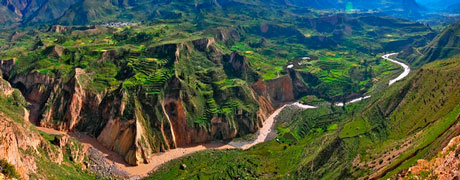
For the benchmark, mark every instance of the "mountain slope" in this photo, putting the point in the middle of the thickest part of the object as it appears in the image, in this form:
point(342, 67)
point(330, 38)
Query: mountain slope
point(27, 153)
point(442, 166)
point(454, 8)
point(7, 16)
point(198, 71)
point(145, 108)
point(90, 12)
point(86, 11)
point(444, 45)
point(49, 11)
point(437, 4)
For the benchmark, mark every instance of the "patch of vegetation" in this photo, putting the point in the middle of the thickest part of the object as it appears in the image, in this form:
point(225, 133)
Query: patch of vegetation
point(49, 137)
point(312, 100)
point(7, 169)
point(68, 169)
point(13, 107)
point(355, 128)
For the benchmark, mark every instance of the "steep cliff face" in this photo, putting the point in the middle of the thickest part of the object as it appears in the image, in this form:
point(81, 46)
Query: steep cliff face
point(65, 104)
point(280, 90)
point(182, 100)
point(21, 145)
point(7, 66)
point(33, 157)
point(176, 115)
point(13, 138)
point(289, 88)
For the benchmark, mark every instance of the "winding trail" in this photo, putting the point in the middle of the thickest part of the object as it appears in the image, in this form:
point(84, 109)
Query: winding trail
point(266, 133)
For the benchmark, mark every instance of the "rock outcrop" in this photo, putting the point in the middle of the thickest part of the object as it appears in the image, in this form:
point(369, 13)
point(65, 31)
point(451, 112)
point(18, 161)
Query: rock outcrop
point(16, 35)
point(237, 66)
point(444, 166)
point(54, 51)
point(7, 66)
point(23, 147)
point(59, 29)
point(14, 137)
point(278, 91)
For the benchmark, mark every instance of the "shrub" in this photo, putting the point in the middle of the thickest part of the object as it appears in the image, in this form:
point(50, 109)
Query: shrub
point(19, 99)
point(8, 169)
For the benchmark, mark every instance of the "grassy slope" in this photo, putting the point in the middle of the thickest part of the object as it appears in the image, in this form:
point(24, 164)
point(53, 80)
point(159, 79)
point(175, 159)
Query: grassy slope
point(67, 170)
point(417, 111)
point(444, 45)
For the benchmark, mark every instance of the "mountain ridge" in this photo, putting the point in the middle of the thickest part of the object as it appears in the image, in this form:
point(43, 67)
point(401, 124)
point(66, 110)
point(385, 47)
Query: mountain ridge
point(446, 44)
point(73, 12)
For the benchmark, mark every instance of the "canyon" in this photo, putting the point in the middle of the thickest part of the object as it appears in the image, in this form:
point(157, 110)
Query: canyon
point(264, 133)
point(227, 89)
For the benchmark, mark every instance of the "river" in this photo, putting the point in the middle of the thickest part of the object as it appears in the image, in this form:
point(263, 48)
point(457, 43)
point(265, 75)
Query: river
point(402, 75)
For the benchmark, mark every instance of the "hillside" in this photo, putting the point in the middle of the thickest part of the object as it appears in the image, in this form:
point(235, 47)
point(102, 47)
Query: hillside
point(443, 166)
point(71, 12)
point(437, 4)
point(377, 138)
point(29, 153)
point(444, 45)
point(454, 8)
